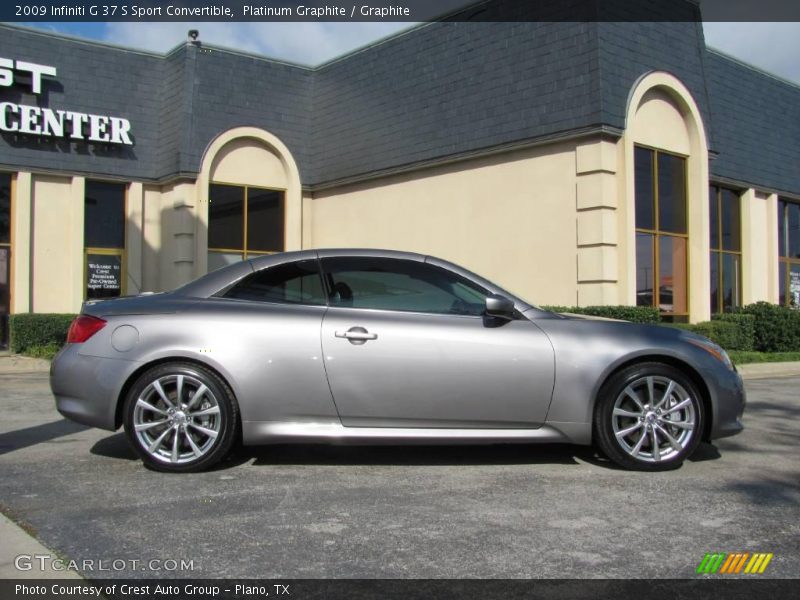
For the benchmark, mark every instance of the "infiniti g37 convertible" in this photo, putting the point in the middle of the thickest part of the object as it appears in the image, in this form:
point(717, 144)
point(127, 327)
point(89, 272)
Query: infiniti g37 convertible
point(365, 346)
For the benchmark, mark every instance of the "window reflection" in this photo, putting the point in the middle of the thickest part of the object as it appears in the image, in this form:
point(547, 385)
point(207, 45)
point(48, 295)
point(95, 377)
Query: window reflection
point(243, 221)
point(726, 249)
point(661, 236)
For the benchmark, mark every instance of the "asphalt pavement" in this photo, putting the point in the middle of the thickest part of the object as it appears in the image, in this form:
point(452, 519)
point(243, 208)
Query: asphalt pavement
point(383, 512)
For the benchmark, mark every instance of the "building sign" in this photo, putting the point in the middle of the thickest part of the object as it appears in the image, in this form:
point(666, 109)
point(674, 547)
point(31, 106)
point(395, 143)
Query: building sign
point(103, 275)
point(47, 122)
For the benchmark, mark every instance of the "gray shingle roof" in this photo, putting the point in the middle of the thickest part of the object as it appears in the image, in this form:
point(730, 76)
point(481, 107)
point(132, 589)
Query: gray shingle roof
point(437, 91)
point(757, 120)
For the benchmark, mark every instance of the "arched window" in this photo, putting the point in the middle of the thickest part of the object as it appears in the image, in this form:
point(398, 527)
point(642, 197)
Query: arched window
point(661, 232)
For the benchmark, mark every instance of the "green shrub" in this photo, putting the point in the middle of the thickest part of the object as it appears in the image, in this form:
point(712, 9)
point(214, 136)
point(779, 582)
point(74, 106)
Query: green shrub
point(724, 333)
point(635, 314)
point(31, 330)
point(775, 328)
point(47, 352)
point(745, 338)
point(741, 358)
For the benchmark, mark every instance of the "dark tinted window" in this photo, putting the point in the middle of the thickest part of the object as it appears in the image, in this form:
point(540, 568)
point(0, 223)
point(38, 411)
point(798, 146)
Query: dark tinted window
point(104, 215)
point(781, 228)
point(404, 285)
point(731, 222)
point(645, 200)
point(5, 208)
point(730, 281)
point(713, 210)
point(264, 220)
point(225, 216)
point(290, 283)
point(645, 269)
point(793, 229)
point(715, 281)
point(671, 193)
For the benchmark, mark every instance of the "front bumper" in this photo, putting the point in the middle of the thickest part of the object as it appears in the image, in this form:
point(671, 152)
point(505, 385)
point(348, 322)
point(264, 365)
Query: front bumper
point(86, 388)
point(730, 400)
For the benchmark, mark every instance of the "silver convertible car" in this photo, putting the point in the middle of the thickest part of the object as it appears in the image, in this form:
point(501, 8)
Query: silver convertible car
point(369, 346)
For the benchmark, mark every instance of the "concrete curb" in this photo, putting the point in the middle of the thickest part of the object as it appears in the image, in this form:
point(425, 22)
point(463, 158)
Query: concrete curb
point(16, 542)
point(768, 370)
point(15, 363)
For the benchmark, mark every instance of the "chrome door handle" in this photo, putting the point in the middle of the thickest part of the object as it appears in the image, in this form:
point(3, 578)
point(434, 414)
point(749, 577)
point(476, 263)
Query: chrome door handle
point(356, 335)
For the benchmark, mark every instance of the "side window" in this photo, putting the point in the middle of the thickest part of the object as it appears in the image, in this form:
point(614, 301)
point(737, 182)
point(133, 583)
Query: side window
point(405, 285)
point(290, 283)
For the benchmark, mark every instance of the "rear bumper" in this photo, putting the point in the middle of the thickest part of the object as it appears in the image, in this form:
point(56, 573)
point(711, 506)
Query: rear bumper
point(729, 405)
point(86, 388)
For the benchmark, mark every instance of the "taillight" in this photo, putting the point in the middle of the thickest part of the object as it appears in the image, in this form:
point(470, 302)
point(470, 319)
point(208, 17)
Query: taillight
point(84, 327)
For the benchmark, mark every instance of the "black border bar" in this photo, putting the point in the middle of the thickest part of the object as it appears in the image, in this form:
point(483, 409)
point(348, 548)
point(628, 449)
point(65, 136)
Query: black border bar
point(744, 588)
point(398, 10)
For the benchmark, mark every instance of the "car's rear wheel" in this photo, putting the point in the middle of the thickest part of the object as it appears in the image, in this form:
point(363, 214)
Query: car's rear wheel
point(649, 417)
point(181, 417)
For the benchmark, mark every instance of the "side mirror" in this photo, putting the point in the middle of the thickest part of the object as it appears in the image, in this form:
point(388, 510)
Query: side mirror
point(500, 307)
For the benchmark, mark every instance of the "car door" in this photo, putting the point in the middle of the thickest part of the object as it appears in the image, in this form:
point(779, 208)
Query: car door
point(406, 344)
point(274, 316)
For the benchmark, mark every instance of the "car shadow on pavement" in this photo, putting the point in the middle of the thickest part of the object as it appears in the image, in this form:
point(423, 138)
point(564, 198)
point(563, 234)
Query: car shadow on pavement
point(38, 434)
point(704, 452)
point(114, 446)
point(498, 454)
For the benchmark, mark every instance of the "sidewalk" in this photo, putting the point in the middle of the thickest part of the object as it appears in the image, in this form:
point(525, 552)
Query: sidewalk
point(768, 370)
point(14, 363)
point(18, 543)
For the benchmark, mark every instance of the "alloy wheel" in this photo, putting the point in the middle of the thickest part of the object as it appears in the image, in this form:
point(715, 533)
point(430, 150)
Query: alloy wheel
point(177, 419)
point(654, 419)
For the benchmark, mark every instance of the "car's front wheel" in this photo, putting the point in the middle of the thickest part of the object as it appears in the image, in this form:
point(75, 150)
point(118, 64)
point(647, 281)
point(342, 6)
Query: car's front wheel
point(649, 417)
point(180, 417)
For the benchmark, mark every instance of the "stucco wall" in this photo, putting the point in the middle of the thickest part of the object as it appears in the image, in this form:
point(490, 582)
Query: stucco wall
point(511, 218)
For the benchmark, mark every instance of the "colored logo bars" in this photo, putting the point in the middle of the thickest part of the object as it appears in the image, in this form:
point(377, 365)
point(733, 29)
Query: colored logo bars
point(734, 563)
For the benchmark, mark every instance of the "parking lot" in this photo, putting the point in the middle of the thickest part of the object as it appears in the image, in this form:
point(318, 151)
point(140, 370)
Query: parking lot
point(385, 512)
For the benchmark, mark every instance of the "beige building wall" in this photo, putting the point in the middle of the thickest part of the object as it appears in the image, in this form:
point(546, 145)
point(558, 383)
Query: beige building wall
point(553, 224)
point(598, 223)
point(57, 248)
point(510, 217)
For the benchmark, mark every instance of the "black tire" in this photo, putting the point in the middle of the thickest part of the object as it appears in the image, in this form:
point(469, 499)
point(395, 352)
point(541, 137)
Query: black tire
point(192, 432)
point(615, 404)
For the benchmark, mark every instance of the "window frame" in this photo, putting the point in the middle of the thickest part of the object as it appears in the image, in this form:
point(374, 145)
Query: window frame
point(657, 233)
point(720, 251)
point(785, 261)
point(244, 252)
point(121, 252)
point(327, 281)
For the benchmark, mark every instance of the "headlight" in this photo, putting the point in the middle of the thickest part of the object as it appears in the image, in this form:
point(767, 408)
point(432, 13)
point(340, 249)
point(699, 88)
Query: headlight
point(714, 349)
